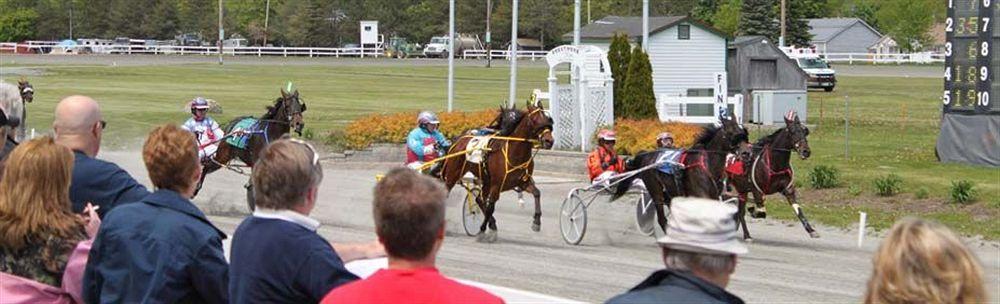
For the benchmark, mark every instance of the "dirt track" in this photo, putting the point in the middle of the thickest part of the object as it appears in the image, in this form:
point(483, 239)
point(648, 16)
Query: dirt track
point(784, 264)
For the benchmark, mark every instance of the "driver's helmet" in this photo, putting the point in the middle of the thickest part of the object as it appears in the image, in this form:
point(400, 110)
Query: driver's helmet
point(606, 135)
point(664, 135)
point(427, 117)
point(199, 103)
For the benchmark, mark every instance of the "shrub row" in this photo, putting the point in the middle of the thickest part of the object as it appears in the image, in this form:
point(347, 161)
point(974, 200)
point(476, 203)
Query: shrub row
point(640, 135)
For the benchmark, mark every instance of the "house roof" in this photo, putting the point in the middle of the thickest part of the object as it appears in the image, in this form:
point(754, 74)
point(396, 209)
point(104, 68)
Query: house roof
point(825, 29)
point(607, 27)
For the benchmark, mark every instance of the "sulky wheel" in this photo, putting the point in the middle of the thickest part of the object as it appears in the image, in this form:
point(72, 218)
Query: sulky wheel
point(573, 219)
point(472, 216)
point(645, 215)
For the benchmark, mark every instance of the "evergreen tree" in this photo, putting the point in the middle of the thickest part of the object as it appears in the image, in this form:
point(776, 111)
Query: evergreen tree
point(796, 26)
point(705, 10)
point(619, 55)
point(758, 18)
point(639, 101)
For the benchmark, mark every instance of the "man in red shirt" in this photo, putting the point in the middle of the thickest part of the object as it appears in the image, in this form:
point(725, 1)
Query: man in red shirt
point(409, 222)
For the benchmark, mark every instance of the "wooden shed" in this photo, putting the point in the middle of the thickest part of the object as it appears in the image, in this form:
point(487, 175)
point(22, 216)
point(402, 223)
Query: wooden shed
point(757, 64)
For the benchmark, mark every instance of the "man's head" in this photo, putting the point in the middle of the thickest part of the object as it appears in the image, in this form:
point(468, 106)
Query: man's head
point(665, 140)
point(171, 157)
point(78, 124)
point(409, 214)
point(428, 121)
point(286, 176)
point(701, 238)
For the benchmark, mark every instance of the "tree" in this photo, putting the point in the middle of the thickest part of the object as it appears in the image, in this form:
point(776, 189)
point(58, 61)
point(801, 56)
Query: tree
point(796, 25)
point(727, 18)
point(18, 24)
point(705, 10)
point(639, 101)
point(907, 22)
point(619, 57)
point(758, 18)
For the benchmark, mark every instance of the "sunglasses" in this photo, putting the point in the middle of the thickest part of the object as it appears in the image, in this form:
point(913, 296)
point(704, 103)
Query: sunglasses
point(315, 156)
point(104, 124)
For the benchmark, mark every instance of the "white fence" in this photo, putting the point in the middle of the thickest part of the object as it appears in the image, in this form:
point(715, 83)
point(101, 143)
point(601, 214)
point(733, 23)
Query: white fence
point(503, 54)
point(873, 58)
point(679, 108)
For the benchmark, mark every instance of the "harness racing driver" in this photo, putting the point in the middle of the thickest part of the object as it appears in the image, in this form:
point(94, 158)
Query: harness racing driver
point(425, 142)
point(205, 129)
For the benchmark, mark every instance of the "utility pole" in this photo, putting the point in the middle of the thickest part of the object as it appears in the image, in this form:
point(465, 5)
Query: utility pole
point(451, 54)
point(645, 25)
point(221, 32)
point(71, 20)
point(267, 14)
point(589, 21)
point(513, 54)
point(576, 22)
point(489, 47)
point(781, 40)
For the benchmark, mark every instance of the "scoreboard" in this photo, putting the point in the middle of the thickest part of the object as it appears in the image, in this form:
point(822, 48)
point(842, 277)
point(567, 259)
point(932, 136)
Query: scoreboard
point(970, 82)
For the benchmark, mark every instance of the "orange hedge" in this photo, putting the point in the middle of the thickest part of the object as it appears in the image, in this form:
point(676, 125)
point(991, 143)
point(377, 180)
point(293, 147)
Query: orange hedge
point(393, 128)
point(633, 135)
point(640, 135)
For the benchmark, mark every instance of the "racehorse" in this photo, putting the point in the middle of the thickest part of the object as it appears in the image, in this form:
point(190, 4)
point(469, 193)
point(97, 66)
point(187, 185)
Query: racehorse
point(281, 118)
point(11, 104)
point(702, 174)
point(507, 165)
point(27, 96)
point(770, 172)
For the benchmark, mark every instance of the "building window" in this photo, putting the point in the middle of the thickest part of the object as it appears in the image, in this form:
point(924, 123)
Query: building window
point(709, 92)
point(684, 32)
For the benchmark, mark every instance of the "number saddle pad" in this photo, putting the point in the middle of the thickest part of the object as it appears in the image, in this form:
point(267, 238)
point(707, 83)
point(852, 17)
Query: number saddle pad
point(475, 151)
point(669, 158)
point(247, 126)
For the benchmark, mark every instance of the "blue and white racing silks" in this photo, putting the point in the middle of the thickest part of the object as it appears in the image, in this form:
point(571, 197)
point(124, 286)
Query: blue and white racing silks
point(419, 138)
point(208, 133)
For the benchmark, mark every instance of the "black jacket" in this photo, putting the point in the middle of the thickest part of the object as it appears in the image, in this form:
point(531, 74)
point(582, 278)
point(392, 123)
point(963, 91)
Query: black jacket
point(668, 286)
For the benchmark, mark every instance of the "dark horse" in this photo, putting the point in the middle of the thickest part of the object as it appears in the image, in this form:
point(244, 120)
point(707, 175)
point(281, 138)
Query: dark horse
point(27, 96)
point(507, 165)
point(703, 167)
point(770, 172)
point(284, 116)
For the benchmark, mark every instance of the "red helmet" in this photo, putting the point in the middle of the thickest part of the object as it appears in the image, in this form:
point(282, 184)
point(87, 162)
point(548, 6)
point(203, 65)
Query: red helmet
point(606, 135)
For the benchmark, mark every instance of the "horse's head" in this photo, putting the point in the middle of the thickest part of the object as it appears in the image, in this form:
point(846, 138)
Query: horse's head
point(798, 134)
point(736, 138)
point(539, 124)
point(292, 107)
point(27, 91)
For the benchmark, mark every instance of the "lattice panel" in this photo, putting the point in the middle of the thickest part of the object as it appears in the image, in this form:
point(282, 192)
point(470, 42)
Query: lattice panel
point(566, 119)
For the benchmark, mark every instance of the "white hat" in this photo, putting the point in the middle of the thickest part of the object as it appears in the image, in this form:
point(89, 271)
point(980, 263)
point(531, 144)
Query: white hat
point(702, 225)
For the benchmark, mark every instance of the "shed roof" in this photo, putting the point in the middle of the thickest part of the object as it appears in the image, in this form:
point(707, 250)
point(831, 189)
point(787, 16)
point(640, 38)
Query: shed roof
point(825, 29)
point(607, 27)
point(748, 40)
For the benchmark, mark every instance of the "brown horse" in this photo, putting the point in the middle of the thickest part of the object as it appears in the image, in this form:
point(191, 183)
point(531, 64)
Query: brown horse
point(770, 172)
point(281, 118)
point(507, 165)
point(702, 174)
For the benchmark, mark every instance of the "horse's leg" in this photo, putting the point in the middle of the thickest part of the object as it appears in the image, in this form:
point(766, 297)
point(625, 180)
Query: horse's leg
point(491, 205)
point(481, 200)
point(789, 194)
point(658, 189)
point(536, 224)
point(758, 210)
point(742, 216)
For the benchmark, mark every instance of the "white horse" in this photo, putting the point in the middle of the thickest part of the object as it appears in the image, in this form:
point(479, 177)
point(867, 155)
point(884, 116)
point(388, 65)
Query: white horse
point(10, 103)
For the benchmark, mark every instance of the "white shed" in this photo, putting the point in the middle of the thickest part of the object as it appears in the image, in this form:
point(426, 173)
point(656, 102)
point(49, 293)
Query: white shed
point(685, 54)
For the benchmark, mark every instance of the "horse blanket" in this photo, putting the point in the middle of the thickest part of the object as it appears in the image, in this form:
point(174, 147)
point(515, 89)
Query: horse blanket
point(669, 158)
point(243, 130)
point(475, 151)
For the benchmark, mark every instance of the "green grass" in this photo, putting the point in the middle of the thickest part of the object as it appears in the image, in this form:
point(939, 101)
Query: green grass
point(894, 122)
point(135, 98)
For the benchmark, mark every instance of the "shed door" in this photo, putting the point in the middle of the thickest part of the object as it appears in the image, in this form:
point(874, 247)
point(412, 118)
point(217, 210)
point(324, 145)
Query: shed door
point(763, 74)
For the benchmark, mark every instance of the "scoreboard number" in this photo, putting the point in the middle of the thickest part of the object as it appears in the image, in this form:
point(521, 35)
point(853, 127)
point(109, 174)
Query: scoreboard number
point(947, 48)
point(985, 50)
point(947, 97)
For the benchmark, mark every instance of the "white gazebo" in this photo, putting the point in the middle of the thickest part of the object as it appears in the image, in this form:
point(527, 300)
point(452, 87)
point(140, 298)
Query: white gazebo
point(586, 102)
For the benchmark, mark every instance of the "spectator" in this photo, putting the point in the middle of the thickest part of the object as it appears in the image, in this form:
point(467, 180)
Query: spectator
point(699, 251)
point(43, 245)
point(78, 126)
point(161, 249)
point(10, 117)
point(277, 256)
point(409, 221)
point(924, 262)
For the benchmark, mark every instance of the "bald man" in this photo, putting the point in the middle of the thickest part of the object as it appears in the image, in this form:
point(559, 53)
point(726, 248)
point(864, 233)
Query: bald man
point(79, 125)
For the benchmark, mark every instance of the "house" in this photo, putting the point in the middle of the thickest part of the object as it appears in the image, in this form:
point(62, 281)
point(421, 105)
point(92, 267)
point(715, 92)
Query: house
point(684, 53)
point(885, 45)
point(842, 35)
point(757, 65)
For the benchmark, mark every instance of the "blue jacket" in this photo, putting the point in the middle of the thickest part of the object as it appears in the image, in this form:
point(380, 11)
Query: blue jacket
point(277, 261)
point(415, 140)
point(102, 183)
point(159, 250)
point(667, 286)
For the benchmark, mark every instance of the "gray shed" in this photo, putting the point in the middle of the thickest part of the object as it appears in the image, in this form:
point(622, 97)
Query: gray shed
point(842, 35)
point(756, 64)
